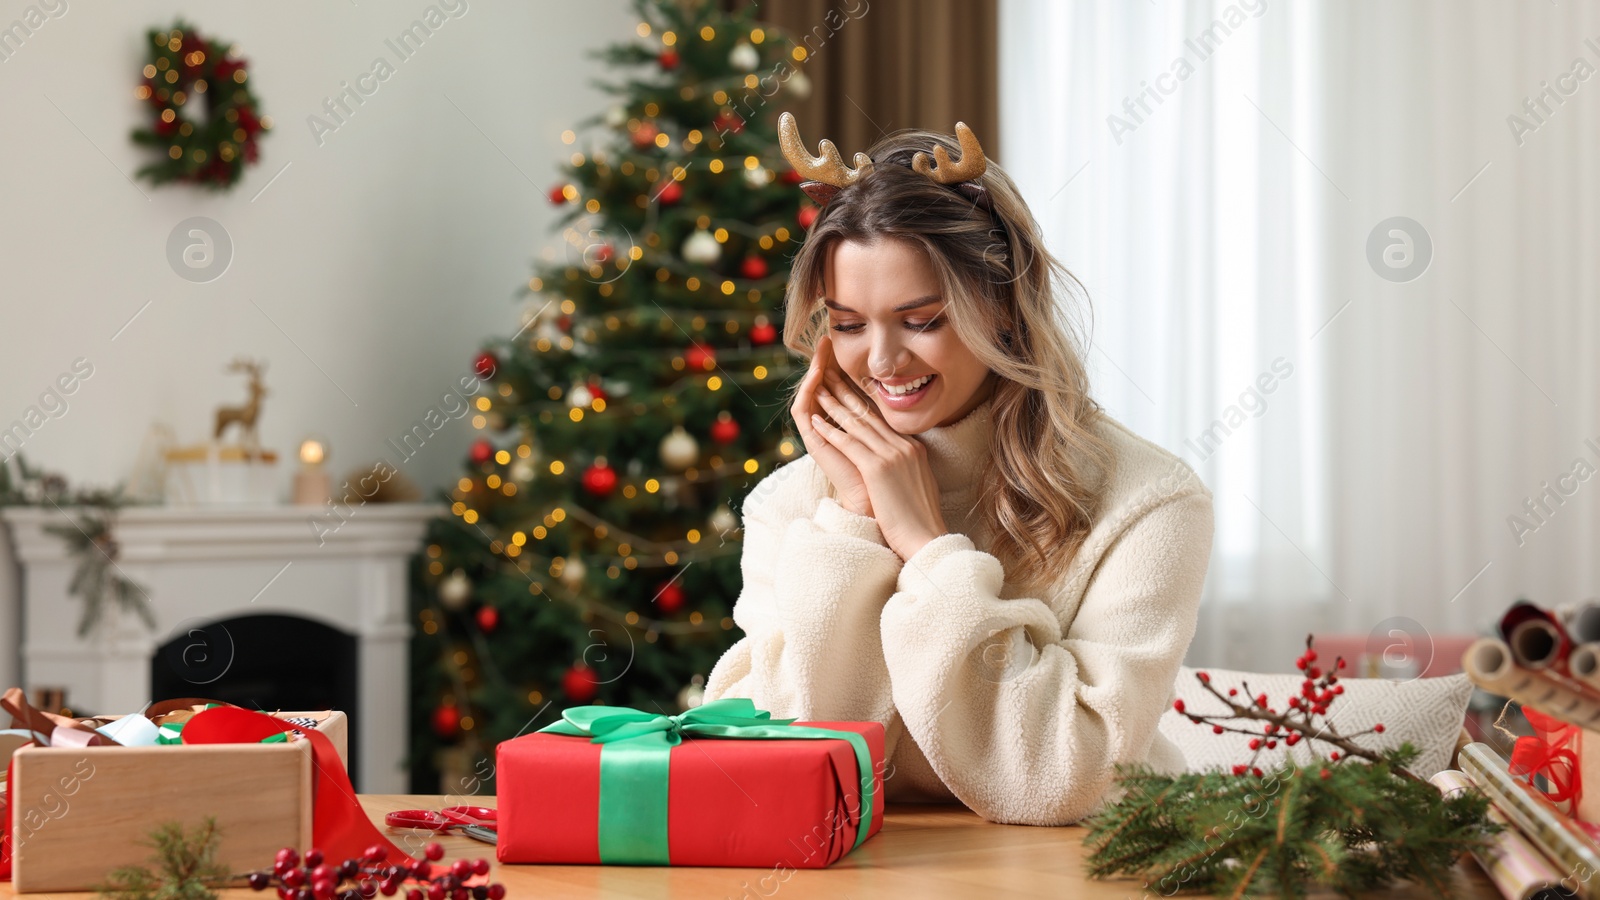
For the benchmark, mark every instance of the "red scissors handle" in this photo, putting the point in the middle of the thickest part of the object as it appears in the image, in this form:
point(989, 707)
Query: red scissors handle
point(418, 818)
point(470, 815)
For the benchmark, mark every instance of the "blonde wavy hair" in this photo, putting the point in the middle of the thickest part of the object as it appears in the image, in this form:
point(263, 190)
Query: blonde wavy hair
point(1043, 490)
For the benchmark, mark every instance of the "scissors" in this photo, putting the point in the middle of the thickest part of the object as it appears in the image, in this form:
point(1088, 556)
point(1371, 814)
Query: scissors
point(479, 822)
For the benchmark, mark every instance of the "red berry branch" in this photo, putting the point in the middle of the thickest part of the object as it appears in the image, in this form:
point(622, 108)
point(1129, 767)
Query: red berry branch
point(313, 878)
point(1295, 723)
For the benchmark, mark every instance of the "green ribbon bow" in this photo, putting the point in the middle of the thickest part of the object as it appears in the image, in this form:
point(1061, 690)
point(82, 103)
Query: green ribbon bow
point(635, 761)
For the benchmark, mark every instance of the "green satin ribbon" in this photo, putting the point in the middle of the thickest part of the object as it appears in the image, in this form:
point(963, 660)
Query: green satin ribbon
point(636, 758)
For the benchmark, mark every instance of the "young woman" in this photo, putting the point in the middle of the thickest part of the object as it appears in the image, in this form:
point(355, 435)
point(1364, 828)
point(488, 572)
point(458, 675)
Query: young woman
point(971, 551)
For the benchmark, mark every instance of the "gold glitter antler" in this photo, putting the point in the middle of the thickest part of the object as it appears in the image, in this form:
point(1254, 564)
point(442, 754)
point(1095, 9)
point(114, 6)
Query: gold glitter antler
point(970, 166)
point(826, 169)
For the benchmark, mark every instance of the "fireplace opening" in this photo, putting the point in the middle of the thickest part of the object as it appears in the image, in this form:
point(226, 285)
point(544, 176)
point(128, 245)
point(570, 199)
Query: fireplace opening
point(267, 662)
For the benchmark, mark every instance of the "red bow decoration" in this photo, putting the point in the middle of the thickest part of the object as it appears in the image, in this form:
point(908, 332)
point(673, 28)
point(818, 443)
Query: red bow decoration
point(1551, 751)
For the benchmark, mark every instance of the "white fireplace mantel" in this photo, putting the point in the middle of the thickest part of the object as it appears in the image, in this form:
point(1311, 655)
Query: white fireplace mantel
point(202, 565)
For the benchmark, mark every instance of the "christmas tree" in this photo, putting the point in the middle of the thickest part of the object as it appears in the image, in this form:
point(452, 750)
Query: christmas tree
point(592, 551)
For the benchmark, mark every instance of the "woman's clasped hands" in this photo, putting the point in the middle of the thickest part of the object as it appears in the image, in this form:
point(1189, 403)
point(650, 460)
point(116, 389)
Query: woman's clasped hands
point(878, 472)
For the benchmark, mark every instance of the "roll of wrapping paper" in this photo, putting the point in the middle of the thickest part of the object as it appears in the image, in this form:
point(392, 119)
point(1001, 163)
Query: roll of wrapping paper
point(1512, 862)
point(1539, 642)
point(1561, 840)
point(1584, 663)
point(1582, 621)
point(1489, 664)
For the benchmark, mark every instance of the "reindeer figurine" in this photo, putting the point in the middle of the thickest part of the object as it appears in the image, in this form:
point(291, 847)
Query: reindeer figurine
point(247, 414)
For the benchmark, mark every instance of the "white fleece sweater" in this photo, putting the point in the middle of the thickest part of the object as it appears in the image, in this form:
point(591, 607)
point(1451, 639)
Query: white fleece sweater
point(1014, 699)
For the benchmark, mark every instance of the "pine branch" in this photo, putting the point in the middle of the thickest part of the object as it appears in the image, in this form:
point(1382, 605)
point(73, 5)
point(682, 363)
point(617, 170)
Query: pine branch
point(187, 864)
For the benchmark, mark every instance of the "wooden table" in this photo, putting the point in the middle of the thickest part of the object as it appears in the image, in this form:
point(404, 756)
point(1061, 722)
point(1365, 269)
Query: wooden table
point(921, 852)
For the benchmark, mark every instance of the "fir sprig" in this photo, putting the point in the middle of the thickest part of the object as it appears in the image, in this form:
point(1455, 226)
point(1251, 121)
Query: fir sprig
point(1332, 823)
point(184, 867)
point(1347, 828)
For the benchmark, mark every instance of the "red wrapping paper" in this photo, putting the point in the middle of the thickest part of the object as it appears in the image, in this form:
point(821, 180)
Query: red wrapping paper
point(731, 801)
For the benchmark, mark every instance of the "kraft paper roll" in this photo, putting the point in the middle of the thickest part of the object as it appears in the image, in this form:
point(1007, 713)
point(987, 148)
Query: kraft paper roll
point(1490, 665)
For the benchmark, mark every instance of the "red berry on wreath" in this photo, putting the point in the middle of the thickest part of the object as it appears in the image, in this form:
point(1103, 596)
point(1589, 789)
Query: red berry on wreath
point(558, 195)
point(700, 358)
point(600, 479)
point(668, 59)
point(579, 683)
point(806, 216)
point(725, 430)
point(446, 724)
point(486, 364)
point(671, 193)
point(753, 267)
point(488, 619)
point(669, 599)
point(763, 333)
point(481, 452)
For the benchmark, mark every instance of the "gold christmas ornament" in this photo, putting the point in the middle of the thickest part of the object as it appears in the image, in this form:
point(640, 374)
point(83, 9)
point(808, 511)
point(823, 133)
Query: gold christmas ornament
point(455, 590)
point(573, 572)
point(679, 450)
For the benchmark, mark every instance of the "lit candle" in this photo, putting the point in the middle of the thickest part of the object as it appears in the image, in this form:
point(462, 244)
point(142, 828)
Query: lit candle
point(312, 484)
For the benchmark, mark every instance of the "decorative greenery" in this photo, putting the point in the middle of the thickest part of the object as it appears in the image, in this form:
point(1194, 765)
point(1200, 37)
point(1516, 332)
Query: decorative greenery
point(1335, 824)
point(185, 867)
point(90, 538)
point(210, 149)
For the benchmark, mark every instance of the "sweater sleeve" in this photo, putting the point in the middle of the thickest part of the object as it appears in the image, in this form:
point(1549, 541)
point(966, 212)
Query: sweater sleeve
point(1022, 722)
point(813, 590)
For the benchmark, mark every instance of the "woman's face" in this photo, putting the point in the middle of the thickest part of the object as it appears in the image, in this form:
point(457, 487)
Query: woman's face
point(888, 327)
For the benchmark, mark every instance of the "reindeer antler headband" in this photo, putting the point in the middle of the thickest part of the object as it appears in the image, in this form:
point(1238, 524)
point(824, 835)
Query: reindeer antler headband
point(827, 173)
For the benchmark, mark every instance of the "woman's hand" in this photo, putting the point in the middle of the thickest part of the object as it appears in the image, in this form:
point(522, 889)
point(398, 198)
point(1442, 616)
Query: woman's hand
point(899, 481)
point(835, 464)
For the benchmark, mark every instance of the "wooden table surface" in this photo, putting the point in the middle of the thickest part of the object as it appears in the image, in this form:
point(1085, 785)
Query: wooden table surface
point(922, 852)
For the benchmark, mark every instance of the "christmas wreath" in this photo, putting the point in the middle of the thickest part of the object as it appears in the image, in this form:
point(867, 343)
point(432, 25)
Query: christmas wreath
point(212, 148)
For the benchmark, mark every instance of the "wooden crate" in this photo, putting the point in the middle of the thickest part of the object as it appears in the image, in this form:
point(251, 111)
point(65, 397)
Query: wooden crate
point(78, 813)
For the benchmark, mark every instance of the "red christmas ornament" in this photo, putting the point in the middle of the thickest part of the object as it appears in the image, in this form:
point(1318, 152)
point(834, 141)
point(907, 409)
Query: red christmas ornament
point(729, 121)
point(644, 137)
point(603, 254)
point(600, 479)
point(564, 323)
point(669, 599)
point(724, 430)
point(579, 683)
point(446, 721)
point(754, 267)
point(806, 216)
point(486, 364)
point(596, 392)
point(668, 59)
point(488, 619)
point(792, 177)
point(670, 194)
point(558, 194)
point(481, 452)
point(700, 358)
point(763, 333)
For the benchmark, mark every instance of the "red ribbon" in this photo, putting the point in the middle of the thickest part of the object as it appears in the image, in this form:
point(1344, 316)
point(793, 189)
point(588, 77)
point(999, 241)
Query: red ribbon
point(1551, 751)
point(339, 826)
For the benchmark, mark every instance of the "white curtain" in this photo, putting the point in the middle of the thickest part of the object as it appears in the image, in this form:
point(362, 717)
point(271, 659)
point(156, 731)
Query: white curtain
point(1212, 171)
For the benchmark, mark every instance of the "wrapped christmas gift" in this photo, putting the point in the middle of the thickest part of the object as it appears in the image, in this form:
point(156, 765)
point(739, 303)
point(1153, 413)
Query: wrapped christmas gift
point(723, 784)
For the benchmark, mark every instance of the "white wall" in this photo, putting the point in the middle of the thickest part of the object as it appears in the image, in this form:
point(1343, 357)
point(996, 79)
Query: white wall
point(385, 256)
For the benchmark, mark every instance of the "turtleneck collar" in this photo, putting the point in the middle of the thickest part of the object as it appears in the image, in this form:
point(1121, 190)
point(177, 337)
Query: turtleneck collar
point(959, 452)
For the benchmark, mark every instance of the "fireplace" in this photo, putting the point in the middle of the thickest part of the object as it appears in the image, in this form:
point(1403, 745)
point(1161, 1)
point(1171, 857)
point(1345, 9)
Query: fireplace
point(252, 606)
point(268, 662)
